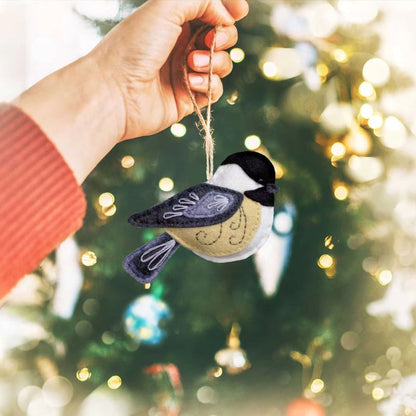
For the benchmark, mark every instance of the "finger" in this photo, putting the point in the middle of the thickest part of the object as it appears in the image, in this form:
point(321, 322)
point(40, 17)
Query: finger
point(221, 62)
point(212, 12)
point(225, 37)
point(237, 8)
point(199, 83)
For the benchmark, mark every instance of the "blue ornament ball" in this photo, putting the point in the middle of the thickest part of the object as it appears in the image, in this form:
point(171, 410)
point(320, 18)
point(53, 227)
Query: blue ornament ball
point(144, 319)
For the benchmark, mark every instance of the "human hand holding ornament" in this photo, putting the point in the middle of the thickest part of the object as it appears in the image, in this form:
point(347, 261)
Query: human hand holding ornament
point(131, 84)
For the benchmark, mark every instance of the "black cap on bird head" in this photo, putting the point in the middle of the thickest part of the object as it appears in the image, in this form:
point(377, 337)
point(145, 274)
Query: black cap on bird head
point(259, 168)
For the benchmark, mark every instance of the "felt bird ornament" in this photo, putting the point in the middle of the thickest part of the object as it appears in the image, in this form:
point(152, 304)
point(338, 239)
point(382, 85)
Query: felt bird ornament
point(225, 219)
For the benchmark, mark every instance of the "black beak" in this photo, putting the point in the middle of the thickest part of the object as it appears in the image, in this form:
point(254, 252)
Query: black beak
point(271, 188)
point(264, 195)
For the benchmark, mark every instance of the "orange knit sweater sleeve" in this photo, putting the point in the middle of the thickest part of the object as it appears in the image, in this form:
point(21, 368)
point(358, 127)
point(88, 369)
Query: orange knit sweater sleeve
point(41, 202)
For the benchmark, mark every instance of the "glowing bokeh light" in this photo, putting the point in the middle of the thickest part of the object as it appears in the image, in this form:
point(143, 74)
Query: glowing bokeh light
point(341, 192)
point(325, 261)
point(366, 111)
point(269, 69)
point(385, 277)
point(377, 393)
point(114, 382)
point(317, 385)
point(252, 142)
point(394, 133)
point(237, 55)
point(366, 90)
point(375, 121)
point(106, 199)
point(376, 71)
point(178, 130)
point(83, 374)
point(109, 211)
point(127, 162)
point(88, 258)
point(338, 149)
point(340, 55)
point(166, 184)
point(358, 12)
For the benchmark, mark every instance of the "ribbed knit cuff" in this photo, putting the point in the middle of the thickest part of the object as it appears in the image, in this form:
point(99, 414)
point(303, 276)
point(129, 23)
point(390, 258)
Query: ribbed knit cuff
point(41, 203)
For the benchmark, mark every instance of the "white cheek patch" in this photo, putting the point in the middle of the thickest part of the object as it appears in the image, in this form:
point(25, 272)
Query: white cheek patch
point(233, 177)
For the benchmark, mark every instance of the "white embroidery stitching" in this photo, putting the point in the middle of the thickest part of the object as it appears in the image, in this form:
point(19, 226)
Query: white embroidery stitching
point(150, 256)
point(184, 203)
point(220, 201)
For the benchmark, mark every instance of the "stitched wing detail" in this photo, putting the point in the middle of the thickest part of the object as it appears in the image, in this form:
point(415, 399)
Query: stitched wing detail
point(198, 206)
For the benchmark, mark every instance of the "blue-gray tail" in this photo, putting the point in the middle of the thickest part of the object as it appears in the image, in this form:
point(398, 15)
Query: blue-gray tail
point(145, 263)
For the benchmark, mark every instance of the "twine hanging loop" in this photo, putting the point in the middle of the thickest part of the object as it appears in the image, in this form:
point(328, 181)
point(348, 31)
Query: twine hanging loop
point(209, 143)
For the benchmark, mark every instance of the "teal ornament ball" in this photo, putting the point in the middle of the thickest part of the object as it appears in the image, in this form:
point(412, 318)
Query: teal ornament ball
point(145, 320)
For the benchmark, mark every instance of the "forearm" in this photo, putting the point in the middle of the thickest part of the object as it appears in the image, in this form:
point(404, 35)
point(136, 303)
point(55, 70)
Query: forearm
point(78, 112)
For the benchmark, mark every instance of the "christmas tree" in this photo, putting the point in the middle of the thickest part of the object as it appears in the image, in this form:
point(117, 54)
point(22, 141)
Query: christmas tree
point(297, 329)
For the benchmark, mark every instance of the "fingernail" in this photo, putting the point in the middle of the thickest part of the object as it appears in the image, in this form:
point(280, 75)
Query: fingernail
point(195, 79)
point(221, 38)
point(200, 59)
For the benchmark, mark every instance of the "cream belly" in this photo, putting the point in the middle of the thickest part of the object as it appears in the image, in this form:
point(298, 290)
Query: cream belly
point(225, 239)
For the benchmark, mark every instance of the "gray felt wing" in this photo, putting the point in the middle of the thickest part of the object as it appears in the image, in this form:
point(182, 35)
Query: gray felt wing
point(198, 206)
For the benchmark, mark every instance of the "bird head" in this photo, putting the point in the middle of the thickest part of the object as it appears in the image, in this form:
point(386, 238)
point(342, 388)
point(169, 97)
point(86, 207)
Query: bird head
point(250, 173)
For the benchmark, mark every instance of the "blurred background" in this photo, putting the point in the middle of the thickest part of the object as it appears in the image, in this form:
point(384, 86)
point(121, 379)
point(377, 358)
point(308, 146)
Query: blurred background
point(321, 320)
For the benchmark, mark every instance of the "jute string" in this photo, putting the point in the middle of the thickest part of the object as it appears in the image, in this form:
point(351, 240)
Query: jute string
point(207, 131)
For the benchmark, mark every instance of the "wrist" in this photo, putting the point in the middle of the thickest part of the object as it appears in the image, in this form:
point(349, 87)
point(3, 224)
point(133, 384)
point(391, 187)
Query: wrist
point(78, 112)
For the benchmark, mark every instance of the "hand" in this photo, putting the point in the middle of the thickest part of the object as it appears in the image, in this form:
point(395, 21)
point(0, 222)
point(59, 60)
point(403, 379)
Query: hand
point(131, 84)
point(142, 60)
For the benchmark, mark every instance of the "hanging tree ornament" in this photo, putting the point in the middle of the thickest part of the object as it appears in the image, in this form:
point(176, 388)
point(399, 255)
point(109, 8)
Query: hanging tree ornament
point(167, 388)
point(225, 219)
point(145, 319)
point(233, 358)
point(272, 258)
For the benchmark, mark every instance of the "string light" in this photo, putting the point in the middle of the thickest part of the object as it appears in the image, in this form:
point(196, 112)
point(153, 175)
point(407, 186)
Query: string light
point(127, 161)
point(340, 55)
point(338, 149)
point(166, 184)
point(252, 142)
point(106, 199)
point(385, 277)
point(114, 382)
point(366, 111)
point(394, 134)
point(237, 55)
point(84, 374)
point(372, 377)
point(328, 242)
point(366, 90)
point(269, 69)
point(341, 192)
point(178, 130)
point(232, 99)
point(88, 258)
point(109, 211)
point(325, 261)
point(375, 121)
point(322, 70)
point(317, 385)
point(376, 71)
point(377, 393)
